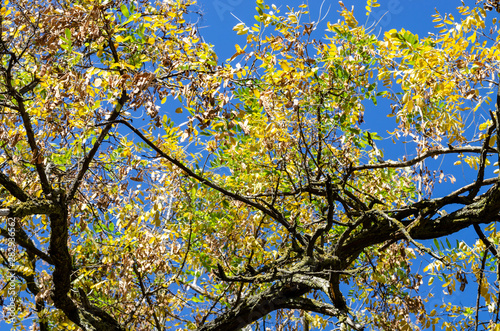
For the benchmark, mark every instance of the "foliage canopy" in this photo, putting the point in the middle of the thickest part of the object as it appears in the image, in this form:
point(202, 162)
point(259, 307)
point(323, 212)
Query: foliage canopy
point(272, 202)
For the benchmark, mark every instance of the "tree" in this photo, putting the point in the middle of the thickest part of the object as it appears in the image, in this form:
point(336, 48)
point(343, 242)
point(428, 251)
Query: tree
point(272, 203)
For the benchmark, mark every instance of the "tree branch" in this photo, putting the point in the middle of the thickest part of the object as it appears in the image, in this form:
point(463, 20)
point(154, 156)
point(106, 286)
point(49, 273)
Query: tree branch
point(272, 212)
point(482, 163)
point(255, 307)
point(483, 210)
point(37, 154)
point(322, 308)
point(122, 100)
point(431, 153)
point(146, 295)
point(13, 188)
point(23, 240)
point(90, 156)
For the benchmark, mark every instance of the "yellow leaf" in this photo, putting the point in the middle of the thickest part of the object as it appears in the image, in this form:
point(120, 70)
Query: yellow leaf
point(409, 105)
point(128, 65)
point(484, 125)
point(473, 37)
point(285, 66)
point(239, 27)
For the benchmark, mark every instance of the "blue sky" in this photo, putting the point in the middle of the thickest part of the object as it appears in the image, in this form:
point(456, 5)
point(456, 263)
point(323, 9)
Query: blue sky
point(216, 28)
point(221, 15)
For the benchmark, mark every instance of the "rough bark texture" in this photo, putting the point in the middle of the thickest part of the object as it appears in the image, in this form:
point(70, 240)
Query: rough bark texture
point(256, 307)
point(484, 209)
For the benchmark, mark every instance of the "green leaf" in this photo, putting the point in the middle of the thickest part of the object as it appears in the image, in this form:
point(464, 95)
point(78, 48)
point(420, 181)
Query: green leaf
point(67, 32)
point(125, 11)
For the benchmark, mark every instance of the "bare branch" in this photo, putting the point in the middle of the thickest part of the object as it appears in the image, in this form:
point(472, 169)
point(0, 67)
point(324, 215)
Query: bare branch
point(431, 153)
point(23, 240)
point(13, 188)
point(90, 156)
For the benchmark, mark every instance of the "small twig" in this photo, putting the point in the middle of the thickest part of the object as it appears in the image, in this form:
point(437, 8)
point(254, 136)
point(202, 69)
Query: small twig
point(482, 163)
point(481, 271)
point(145, 294)
point(431, 153)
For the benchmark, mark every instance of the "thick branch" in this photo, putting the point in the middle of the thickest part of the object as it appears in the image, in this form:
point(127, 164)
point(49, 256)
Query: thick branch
point(34, 207)
point(483, 210)
point(497, 122)
point(13, 188)
point(279, 296)
point(30, 134)
point(329, 217)
point(252, 309)
point(22, 240)
point(323, 308)
point(283, 295)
